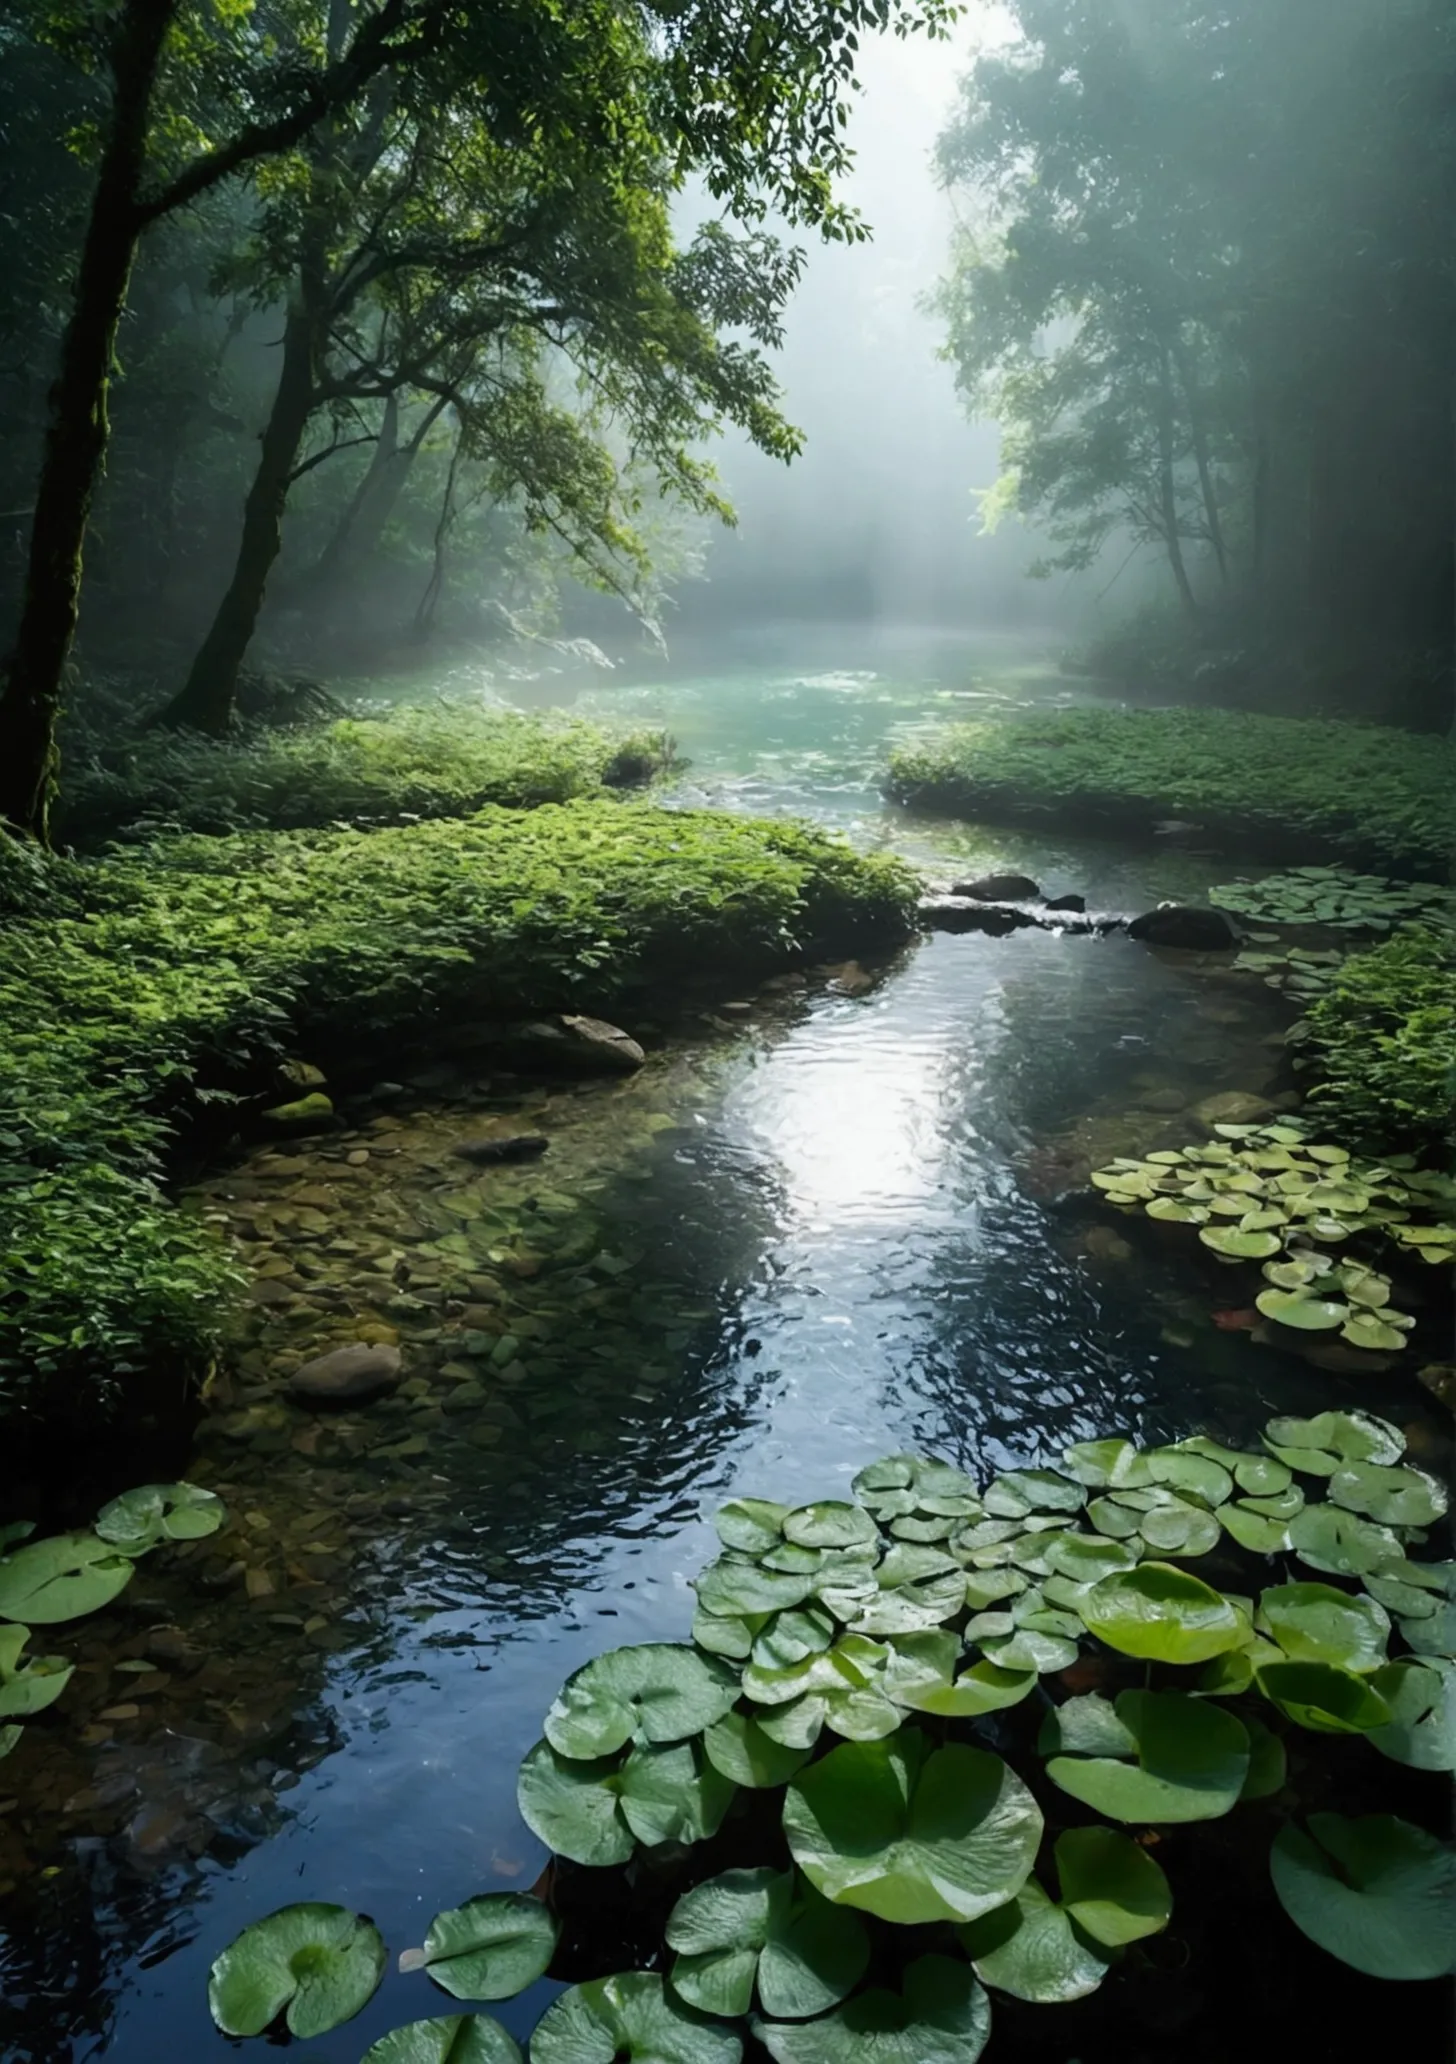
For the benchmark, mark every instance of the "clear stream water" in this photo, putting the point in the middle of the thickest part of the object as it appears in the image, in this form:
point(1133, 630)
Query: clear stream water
point(816, 1228)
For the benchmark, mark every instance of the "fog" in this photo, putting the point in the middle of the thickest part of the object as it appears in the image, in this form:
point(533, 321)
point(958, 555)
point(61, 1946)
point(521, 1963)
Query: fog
point(877, 519)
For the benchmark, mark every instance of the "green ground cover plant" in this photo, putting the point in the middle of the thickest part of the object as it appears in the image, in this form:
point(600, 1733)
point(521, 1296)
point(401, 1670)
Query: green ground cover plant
point(133, 987)
point(839, 1792)
point(380, 766)
point(1352, 791)
point(1381, 1044)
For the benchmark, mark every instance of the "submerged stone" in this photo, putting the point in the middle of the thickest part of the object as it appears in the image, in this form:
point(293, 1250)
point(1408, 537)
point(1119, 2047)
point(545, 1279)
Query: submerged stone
point(515, 1146)
point(1233, 1107)
point(999, 888)
point(1188, 926)
point(348, 1375)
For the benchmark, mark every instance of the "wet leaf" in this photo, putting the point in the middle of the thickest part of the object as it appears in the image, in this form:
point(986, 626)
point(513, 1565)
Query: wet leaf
point(448, 2039)
point(1377, 1893)
point(770, 1929)
point(629, 2019)
point(61, 1578)
point(1192, 1762)
point(941, 2017)
point(1161, 1614)
point(490, 1948)
point(317, 1964)
point(658, 1691)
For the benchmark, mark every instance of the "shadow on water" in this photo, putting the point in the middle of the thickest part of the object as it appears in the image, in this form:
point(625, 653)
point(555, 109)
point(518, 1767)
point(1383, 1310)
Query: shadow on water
point(815, 1228)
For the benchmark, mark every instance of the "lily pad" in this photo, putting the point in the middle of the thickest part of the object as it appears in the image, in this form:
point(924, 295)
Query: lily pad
point(770, 1929)
point(596, 1812)
point(1031, 1949)
point(660, 1691)
point(738, 1747)
point(1111, 1887)
point(1018, 1491)
point(1105, 1464)
point(61, 1578)
point(733, 1587)
point(1193, 1475)
point(448, 2039)
point(1179, 1528)
point(1254, 1530)
point(317, 1965)
point(1323, 1697)
point(28, 1688)
point(1421, 1694)
point(138, 1520)
point(1399, 1496)
point(1353, 1436)
point(1192, 1762)
point(1237, 1245)
point(629, 2017)
point(752, 1525)
point(1161, 1615)
point(1315, 1623)
point(831, 1524)
point(1302, 1310)
point(941, 2017)
point(1377, 1893)
point(910, 1832)
point(1342, 1543)
point(490, 1948)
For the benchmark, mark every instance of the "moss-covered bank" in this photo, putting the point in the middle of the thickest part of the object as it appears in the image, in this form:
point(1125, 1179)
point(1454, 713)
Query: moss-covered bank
point(1278, 785)
point(138, 989)
point(392, 766)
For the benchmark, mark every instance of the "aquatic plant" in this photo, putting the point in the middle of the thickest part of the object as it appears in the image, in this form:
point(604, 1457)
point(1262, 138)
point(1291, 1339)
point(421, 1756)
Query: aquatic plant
point(66, 1576)
point(1332, 786)
point(1381, 1045)
point(834, 1699)
point(1339, 898)
point(1261, 1191)
point(135, 988)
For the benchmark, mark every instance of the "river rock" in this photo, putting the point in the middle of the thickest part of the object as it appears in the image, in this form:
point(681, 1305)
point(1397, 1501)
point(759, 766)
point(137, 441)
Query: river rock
point(1186, 925)
point(301, 1075)
point(1077, 903)
point(962, 914)
point(1233, 1107)
point(850, 979)
point(585, 1045)
point(305, 1114)
point(1000, 888)
point(348, 1375)
point(515, 1146)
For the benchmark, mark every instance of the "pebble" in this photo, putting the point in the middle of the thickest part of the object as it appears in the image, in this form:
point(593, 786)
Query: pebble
point(348, 1375)
point(126, 1711)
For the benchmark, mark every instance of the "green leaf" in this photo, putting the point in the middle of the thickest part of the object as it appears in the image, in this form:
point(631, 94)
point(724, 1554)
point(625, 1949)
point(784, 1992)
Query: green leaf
point(1242, 1246)
point(1341, 1543)
point(1195, 1475)
point(28, 1688)
point(752, 1525)
point(573, 1806)
point(1162, 1615)
point(941, 2017)
point(1110, 1886)
point(831, 1524)
point(138, 1520)
point(448, 2039)
point(1421, 1695)
point(1268, 1763)
point(732, 1587)
point(1252, 1530)
point(1354, 1436)
point(912, 1833)
point(1323, 1697)
point(673, 1794)
point(629, 2017)
point(321, 1963)
point(61, 1578)
point(1377, 1893)
point(1105, 1464)
point(1192, 1762)
point(770, 1927)
point(659, 1691)
point(1394, 1496)
point(1179, 1528)
point(1302, 1310)
point(738, 1746)
point(490, 1948)
point(1315, 1623)
point(1031, 1949)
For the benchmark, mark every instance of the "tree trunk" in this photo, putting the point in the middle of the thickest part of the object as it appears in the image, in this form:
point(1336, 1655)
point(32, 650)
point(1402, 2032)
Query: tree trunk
point(1167, 491)
point(1200, 454)
point(434, 587)
point(207, 698)
point(76, 437)
point(363, 522)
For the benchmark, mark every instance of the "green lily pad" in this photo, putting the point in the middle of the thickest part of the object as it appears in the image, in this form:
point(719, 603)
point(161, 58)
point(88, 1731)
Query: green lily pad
point(28, 1688)
point(1192, 1474)
point(660, 1691)
point(1179, 1528)
point(1377, 1893)
point(738, 1747)
point(629, 2017)
point(1323, 1697)
point(730, 1637)
point(1421, 1694)
point(911, 1608)
point(1105, 1464)
point(831, 1524)
point(751, 1525)
point(1399, 1496)
point(138, 1520)
point(448, 2039)
point(768, 1928)
point(322, 1964)
point(1342, 1543)
point(1353, 1436)
point(596, 1812)
point(1028, 1648)
point(9, 1739)
point(910, 1832)
point(1434, 1634)
point(1254, 1530)
point(61, 1578)
point(1302, 1310)
point(1031, 1949)
point(1086, 1725)
point(490, 1948)
point(839, 1689)
point(1161, 1615)
point(1315, 1623)
point(1237, 1245)
point(1192, 1762)
point(788, 1637)
point(941, 2017)
point(1374, 1331)
point(1111, 1887)
point(985, 1687)
point(1017, 1492)
point(733, 1587)
point(1268, 1763)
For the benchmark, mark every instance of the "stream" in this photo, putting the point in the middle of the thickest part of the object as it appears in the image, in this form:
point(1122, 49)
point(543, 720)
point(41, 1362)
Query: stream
point(826, 1221)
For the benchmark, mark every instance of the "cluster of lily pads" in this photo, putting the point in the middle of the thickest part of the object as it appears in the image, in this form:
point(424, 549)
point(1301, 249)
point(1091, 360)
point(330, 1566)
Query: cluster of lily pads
point(833, 1715)
point(43, 1583)
point(1258, 1192)
point(1340, 898)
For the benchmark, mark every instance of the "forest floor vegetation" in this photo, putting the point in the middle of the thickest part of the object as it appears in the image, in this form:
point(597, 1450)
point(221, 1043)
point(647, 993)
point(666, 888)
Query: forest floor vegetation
point(1366, 794)
point(160, 987)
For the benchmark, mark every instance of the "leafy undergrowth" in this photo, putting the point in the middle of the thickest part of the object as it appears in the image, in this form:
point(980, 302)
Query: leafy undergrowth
point(1364, 790)
point(387, 767)
point(131, 988)
point(1382, 1044)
